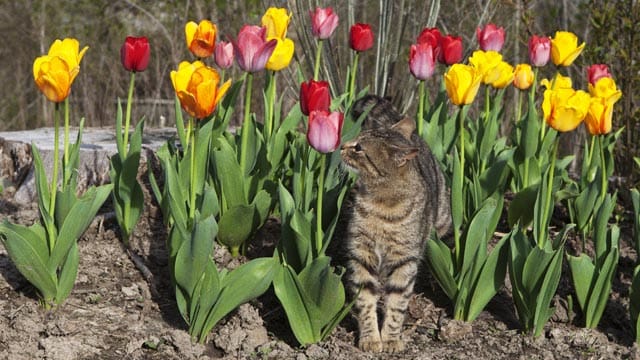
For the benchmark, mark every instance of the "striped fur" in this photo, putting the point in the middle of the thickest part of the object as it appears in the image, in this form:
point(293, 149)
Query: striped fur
point(400, 198)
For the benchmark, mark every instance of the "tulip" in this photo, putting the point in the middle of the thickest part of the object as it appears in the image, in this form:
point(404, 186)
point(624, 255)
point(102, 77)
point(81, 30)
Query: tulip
point(504, 75)
point(134, 53)
point(604, 94)
point(486, 62)
point(523, 76)
point(462, 83)
point(314, 95)
point(252, 49)
point(55, 72)
point(201, 38)
point(282, 55)
point(564, 109)
point(323, 22)
point(539, 50)
point(597, 71)
point(490, 37)
point(361, 37)
point(198, 88)
point(422, 60)
point(450, 50)
point(431, 36)
point(558, 82)
point(224, 54)
point(324, 131)
point(276, 20)
point(565, 48)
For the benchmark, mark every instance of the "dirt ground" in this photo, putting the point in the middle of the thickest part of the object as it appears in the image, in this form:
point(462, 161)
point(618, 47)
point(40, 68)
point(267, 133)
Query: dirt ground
point(114, 312)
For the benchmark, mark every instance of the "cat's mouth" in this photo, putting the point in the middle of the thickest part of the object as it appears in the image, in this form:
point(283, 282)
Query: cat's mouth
point(347, 161)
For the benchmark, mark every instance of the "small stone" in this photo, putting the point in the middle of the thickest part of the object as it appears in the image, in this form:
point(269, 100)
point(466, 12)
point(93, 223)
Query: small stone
point(454, 330)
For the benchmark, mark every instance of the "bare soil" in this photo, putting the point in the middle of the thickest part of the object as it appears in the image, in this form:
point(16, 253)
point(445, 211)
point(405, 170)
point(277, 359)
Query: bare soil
point(114, 312)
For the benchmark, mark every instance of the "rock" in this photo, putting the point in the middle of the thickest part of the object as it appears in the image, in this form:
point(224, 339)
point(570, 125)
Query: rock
point(454, 330)
point(244, 331)
point(98, 144)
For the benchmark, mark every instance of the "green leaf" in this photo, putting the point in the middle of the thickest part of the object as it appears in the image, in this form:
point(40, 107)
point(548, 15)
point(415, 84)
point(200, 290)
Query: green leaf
point(547, 290)
point(634, 301)
point(205, 297)
point(193, 255)
point(582, 272)
point(324, 287)
point(601, 289)
point(291, 295)
point(489, 280)
point(229, 175)
point(457, 199)
point(441, 262)
point(237, 224)
point(68, 274)
point(27, 248)
point(584, 204)
point(477, 236)
point(520, 209)
point(119, 136)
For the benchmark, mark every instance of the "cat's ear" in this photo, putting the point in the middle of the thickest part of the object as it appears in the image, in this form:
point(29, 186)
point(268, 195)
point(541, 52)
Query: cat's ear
point(405, 127)
point(406, 154)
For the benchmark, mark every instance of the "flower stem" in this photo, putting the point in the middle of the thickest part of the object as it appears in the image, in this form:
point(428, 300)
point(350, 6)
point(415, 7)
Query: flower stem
point(127, 118)
point(319, 231)
point(54, 176)
point(603, 167)
point(192, 172)
point(316, 65)
point(354, 70)
point(65, 171)
point(245, 125)
point(548, 205)
point(271, 93)
point(420, 118)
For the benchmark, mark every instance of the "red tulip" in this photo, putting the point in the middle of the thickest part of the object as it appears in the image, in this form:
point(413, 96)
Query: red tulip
point(431, 36)
point(323, 22)
point(361, 37)
point(314, 95)
point(324, 130)
point(596, 72)
point(450, 50)
point(224, 54)
point(252, 49)
point(422, 60)
point(539, 50)
point(134, 53)
point(490, 38)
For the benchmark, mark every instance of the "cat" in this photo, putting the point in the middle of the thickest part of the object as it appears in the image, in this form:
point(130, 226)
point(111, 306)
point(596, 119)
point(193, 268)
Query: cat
point(400, 198)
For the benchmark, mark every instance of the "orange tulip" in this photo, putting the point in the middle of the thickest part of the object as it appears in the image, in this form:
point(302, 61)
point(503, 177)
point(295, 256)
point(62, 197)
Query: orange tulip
point(201, 38)
point(604, 94)
point(198, 88)
point(55, 72)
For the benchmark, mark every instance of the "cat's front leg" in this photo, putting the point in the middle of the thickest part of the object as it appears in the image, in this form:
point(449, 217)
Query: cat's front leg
point(369, 339)
point(398, 288)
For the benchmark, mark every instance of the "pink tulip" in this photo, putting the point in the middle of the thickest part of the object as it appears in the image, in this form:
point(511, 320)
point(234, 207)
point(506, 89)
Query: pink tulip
point(252, 49)
point(224, 54)
point(596, 72)
point(539, 50)
point(490, 37)
point(422, 60)
point(324, 131)
point(323, 22)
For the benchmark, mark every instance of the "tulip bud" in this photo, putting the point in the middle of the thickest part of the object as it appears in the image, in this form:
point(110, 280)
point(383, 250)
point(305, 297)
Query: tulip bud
point(422, 60)
point(323, 22)
point(324, 130)
point(361, 37)
point(134, 53)
point(597, 71)
point(450, 50)
point(224, 54)
point(201, 38)
point(523, 76)
point(490, 37)
point(565, 48)
point(539, 50)
point(314, 95)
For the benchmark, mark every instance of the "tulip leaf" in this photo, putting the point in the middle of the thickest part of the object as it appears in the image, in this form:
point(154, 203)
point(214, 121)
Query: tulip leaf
point(634, 301)
point(291, 295)
point(520, 209)
point(68, 273)
point(229, 175)
point(582, 271)
point(441, 262)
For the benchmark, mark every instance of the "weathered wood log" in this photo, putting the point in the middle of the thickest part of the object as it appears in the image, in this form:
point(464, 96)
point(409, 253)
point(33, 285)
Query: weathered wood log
point(98, 144)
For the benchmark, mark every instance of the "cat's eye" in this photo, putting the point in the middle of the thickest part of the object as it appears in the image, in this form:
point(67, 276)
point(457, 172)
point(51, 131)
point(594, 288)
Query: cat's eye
point(357, 148)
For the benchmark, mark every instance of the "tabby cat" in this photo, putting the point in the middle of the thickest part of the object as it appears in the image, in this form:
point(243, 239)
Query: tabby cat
point(400, 199)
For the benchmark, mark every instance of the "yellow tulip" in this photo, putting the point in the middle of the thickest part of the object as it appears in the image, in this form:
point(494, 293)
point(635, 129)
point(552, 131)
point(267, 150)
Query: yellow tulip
point(462, 83)
point(486, 62)
point(282, 55)
point(55, 72)
point(603, 96)
point(564, 109)
point(276, 20)
point(201, 38)
point(523, 76)
point(558, 82)
point(504, 75)
point(198, 88)
point(565, 48)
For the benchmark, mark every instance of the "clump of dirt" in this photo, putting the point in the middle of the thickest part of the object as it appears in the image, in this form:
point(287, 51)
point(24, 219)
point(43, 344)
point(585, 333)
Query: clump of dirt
point(117, 311)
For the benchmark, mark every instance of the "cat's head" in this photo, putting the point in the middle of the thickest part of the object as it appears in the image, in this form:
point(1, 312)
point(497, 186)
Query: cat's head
point(379, 111)
point(381, 154)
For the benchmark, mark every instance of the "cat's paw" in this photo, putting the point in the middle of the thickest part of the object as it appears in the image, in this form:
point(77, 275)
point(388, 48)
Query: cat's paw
point(393, 346)
point(370, 345)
